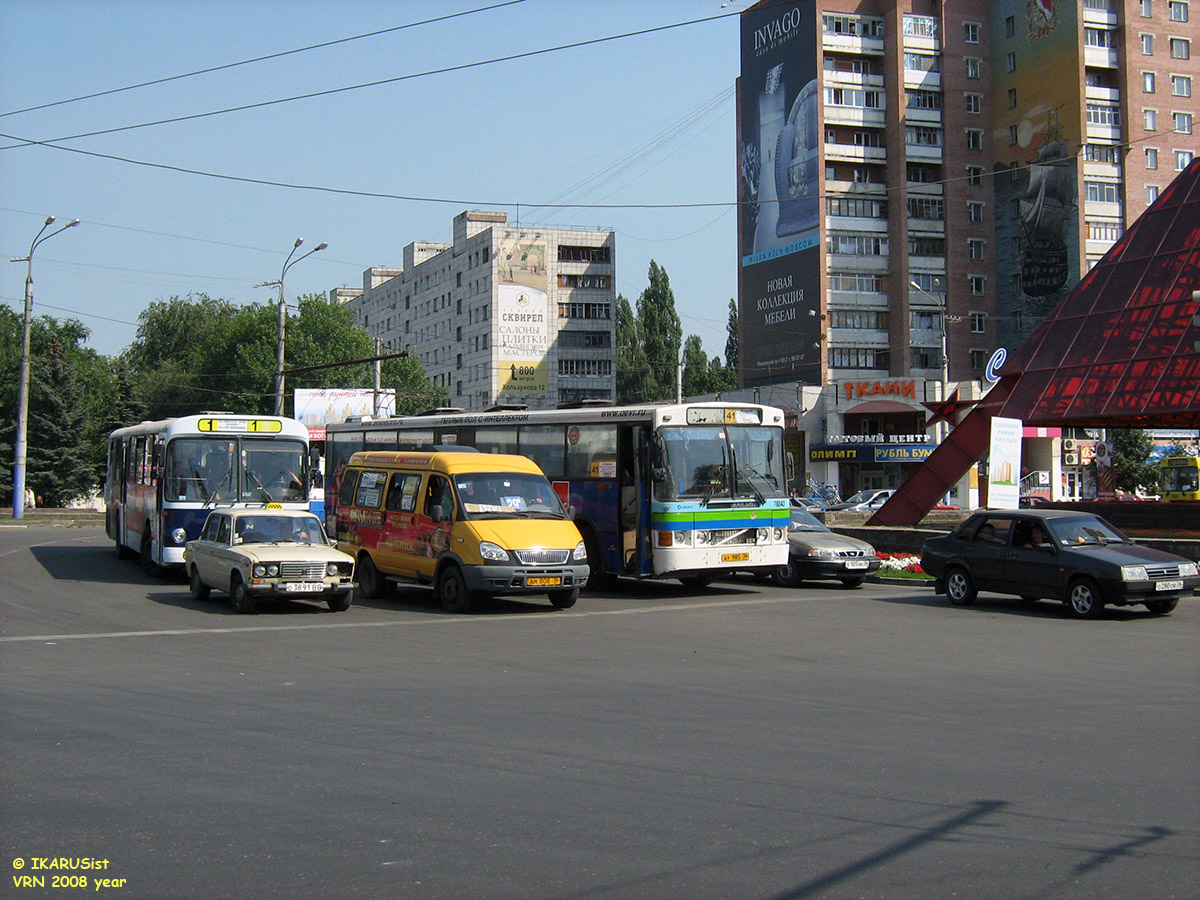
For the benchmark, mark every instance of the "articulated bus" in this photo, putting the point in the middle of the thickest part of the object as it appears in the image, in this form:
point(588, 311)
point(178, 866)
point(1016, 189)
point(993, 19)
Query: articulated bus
point(1179, 478)
point(165, 477)
point(687, 491)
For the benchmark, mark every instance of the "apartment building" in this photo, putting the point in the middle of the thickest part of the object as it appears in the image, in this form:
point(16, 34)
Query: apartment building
point(504, 314)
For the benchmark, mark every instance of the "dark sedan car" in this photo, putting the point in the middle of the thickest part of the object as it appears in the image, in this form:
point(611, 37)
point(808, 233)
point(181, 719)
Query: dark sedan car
point(816, 552)
point(1075, 557)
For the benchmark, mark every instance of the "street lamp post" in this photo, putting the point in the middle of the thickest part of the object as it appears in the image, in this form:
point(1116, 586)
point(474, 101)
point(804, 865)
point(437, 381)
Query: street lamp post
point(23, 378)
point(279, 344)
point(942, 317)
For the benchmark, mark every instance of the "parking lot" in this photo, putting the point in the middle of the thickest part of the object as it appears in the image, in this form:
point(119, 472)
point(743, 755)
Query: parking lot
point(750, 741)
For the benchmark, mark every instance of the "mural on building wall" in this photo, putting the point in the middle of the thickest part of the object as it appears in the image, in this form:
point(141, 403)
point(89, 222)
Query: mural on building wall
point(523, 315)
point(778, 191)
point(1036, 74)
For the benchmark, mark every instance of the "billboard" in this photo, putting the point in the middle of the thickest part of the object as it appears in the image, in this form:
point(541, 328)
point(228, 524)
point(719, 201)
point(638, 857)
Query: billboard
point(523, 315)
point(779, 182)
point(318, 407)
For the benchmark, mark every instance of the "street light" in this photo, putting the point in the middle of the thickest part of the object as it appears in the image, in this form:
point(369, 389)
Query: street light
point(937, 283)
point(287, 264)
point(23, 378)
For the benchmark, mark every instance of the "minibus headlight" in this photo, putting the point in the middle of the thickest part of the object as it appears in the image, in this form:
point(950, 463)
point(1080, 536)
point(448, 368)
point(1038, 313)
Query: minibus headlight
point(492, 552)
point(179, 536)
point(580, 552)
point(260, 570)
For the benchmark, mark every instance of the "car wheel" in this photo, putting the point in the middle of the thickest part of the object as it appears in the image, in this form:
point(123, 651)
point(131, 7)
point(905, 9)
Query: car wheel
point(149, 566)
point(452, 591)
point(199, 588)
point(787, 575)
point(697, 582)
point(959, 587)
point(241, 599)
point(1161, 607)
point(1084, 600)
point(371, 580)
point(564, 599)
point(854, 581)
point(340, 602)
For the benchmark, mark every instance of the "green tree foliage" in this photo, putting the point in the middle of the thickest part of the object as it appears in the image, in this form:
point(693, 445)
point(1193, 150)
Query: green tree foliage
point(1131, 460)
point(60, 463)
point(695, 368)
point(634, 384)
point(732, 351)
point(661, 332)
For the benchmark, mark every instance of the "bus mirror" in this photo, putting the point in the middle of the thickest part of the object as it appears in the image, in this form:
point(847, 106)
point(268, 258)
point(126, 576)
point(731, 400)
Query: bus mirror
point(790, 465)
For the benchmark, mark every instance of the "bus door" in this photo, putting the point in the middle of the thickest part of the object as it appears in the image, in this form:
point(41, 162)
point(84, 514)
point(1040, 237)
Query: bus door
point(634, 516)
point(433, 525)
point(400, 524)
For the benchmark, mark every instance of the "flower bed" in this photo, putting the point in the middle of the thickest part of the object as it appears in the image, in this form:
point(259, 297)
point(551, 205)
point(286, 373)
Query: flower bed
point(901, 565)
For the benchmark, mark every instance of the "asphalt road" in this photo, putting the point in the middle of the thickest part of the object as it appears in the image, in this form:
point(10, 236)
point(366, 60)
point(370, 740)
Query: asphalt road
point(749, 742)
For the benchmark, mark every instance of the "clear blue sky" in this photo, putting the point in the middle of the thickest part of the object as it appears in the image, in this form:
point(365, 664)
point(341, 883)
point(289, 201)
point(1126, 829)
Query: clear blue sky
point(647, 119)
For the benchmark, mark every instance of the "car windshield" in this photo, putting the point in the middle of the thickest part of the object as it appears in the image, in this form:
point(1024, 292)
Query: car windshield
point(274, 529)
point(806, 521)
point(861, 497)
point(1076, 530)
point(507, 495)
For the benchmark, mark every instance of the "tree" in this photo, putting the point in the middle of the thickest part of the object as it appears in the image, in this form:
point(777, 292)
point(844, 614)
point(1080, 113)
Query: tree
point(634, 384)
point(732, 352)
point(1131, 460)
point(695, 368)
point(59, 466)
point(660, 331)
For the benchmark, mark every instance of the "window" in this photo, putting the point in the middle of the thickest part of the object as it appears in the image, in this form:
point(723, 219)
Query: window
point(1010, 26)
point(858, 358)
point(926, 358)
point(975, 175)
point(1013, 135)
point(974, 211)
point(974, 139)
point(975, 248)
point(979, 358)
point(1151, 119)
point(1010, 62)
point(858, 207)
point(584, 339)
point(1147, 45)
point(1181, 86)
point(1183, 159)
point(926, 208)
point(1147, 9)
point(921, 26)
point(1103, 231)
point(1012, 98)
point(1151, 158)
point(922, 62)
point(585, 281)
point(860, 319)
point(974, 66)
point(919, 245)
point(927, 282)
point(858, 283)
point(1103, 114)
point(1148, 82)
point(923, 99)
point(923, 135)
point(568, 253)
point(1181, 48)
point(978, 322)
point(585, 310)
point(1097, 37)
point(857, 244)
point(1101, 192)
point(1151, 193)
point(1105, 153)
point(837, 96)
point(974, 103)
point(971, 32)
point(585, 367)
point(860, 26)
point(1183, 123)
point(1177, 11)
point(923, 174)
point(978, 283)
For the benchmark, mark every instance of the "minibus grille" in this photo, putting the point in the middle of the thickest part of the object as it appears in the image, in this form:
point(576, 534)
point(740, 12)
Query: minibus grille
point(540, 557)
point(302, 571)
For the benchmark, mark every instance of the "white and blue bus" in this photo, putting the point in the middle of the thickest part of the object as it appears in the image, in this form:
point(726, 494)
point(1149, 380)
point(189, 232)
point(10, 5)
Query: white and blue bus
point(165, 477)
point(687, 491)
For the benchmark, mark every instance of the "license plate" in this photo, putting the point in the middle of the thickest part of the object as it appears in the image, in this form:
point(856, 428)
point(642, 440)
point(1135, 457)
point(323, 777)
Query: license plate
point(735, 557)
point(304, 587)
point(857, 564)
point(544, 581)
point(1168, 585)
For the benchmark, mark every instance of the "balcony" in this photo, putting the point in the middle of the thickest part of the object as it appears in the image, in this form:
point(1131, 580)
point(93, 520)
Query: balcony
point(854, 153)
point(852, 43)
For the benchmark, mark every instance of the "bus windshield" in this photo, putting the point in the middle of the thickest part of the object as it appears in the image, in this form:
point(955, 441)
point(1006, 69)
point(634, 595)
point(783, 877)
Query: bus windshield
point(723, 462)
point(265, 470)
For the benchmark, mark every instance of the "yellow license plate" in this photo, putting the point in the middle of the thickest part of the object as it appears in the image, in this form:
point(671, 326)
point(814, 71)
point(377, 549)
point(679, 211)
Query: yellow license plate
point(549, 581)
point(735, 557)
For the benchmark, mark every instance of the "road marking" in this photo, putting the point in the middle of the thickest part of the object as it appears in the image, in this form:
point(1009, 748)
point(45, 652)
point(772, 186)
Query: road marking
point(448, 620)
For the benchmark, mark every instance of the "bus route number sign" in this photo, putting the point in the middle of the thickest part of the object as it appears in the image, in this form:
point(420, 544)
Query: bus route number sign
point(225, 426)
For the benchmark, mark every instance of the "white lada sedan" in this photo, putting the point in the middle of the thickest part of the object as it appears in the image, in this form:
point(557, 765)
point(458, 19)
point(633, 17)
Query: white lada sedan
point(255, 554)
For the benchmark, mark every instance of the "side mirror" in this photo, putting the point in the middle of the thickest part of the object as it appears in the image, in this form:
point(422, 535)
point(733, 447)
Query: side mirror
point(437, 514)
point(571, 513)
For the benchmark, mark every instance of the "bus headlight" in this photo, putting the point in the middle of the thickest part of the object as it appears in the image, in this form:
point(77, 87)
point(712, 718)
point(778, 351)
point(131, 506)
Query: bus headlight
point(179, 536)
point(763, 536)
point(701, 538)
point(492, 552)
point(580, 552)
point(780, 534)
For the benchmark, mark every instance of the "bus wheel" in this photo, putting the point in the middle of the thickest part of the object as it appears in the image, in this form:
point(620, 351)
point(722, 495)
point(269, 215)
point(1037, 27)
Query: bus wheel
point(149, 566)
point(695, 582)
point(451, 590)
point(597, 577)
point(241, 599)
point(371, 580)
point(564, 599)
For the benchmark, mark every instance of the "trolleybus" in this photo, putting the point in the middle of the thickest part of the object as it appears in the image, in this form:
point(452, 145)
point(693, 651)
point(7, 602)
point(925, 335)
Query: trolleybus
point(687, 491)
point(164, 477)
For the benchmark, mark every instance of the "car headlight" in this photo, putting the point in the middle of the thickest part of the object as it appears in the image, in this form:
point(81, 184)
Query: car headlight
point(260, 570)
point(1188, 570)
point(817, 553)
point(332, 569)
point(580, 552)
point(1134, 573)
point(179, 536)
point(272, 570)
point(492, 552)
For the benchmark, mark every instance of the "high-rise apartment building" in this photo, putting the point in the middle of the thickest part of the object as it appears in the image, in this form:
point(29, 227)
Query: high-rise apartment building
point(920, 182)
point(504, 314)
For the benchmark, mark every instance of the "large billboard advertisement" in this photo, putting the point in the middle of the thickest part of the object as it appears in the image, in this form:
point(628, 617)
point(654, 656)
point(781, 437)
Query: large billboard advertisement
point(779, 193)
point(523, 311)
point(318, 407)
point(1038, 139)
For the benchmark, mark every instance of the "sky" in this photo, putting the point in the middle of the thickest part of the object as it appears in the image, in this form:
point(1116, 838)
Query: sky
point(636, 134)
